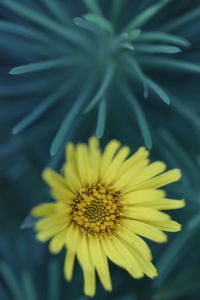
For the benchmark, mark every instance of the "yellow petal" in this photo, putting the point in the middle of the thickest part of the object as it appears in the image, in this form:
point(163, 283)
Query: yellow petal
point(150, 171)
point(136, 242)
point(55, 181)
point(129, 177)
point(130, 263)
point(62, 196)
point(164, 204)
point(108, 155)
point(137, 197)
point(100, 261)
point(48, 233)
point(44, 209)
point(170, 225)
point(95, 157)
point(58, 241)
point(161, 180)
point(148, 231)
point(112, 169)
point(146, 214)
point(132, 161)
point(51, 221)
point(83, 164)
point(84, 258)
point(73, 237)
point(146, 265)
point(72, 177)
point(93, 143)
point(70, 153)
point(69, 264)
point(111, 252)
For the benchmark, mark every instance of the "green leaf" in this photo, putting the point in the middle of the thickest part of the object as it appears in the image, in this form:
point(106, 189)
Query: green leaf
point(179, 152)
point(27, 32)
point(28, 222)
point(186, 111)
point(85, 24)
point(146, 15)
point(134, 34)
point(116, 11)
point(158, 90)
point(42, 20)
point(134, 69)
point(41, 108)
point(69, 119)
point(58, 10)
point(182, 20)
point(109, 72)
point(11, 281)
point(28, 286)
point(128, 46)
point(100, 21)
point(92, 6)
point(168, 63)
point(41, 66)
point(101, 120)
point(158, 49)
point(152, 36)
point(134, 104)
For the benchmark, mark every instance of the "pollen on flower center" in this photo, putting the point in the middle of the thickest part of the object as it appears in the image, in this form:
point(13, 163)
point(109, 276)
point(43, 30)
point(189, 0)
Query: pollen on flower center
point(97, 209)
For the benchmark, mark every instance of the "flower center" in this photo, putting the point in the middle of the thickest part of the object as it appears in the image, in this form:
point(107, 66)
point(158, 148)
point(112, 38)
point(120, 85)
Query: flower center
point(97, 209)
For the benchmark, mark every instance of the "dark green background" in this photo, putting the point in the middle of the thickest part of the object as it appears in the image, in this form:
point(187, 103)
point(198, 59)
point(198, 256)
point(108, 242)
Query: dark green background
point(27, 270)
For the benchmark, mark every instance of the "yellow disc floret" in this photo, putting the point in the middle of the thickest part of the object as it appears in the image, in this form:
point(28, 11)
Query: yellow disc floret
point(97, 209)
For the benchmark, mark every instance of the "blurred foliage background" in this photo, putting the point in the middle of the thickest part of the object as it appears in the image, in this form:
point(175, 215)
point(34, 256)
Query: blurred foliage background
point(125, 69)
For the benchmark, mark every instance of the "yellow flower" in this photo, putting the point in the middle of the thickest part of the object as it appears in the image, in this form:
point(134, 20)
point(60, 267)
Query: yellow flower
point(104, 203)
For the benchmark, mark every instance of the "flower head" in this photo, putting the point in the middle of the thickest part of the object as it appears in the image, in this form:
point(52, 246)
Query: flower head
point(104, 204)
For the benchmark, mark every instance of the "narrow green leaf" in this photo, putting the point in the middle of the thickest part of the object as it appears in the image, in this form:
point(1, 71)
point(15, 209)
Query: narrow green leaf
point(28, 286)
point(168, 63)
point(40, 66)
point(93, 6)
point(100, 21)
point(28, 222)
point(58, 10)
point(118, 40)
point(153, 36)
point(101, 120)
point(134, 104)
point(158, 90)
point(53, 281)
point(128, 46)
point(116, 11)
point(134, 34)
point(134, 69)
point(109, 72)
point(186, 111)
point(182, 20)
point(146, 15)
point(70, 118)
point(11, 281)
point(158, 49)
point(85, 24)
point(41, 19)
point(27, 32)
point(41, 109)
point(181, 155)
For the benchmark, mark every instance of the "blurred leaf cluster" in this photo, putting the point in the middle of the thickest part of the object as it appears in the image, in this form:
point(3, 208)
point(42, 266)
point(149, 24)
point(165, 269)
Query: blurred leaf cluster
point(125, 69)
